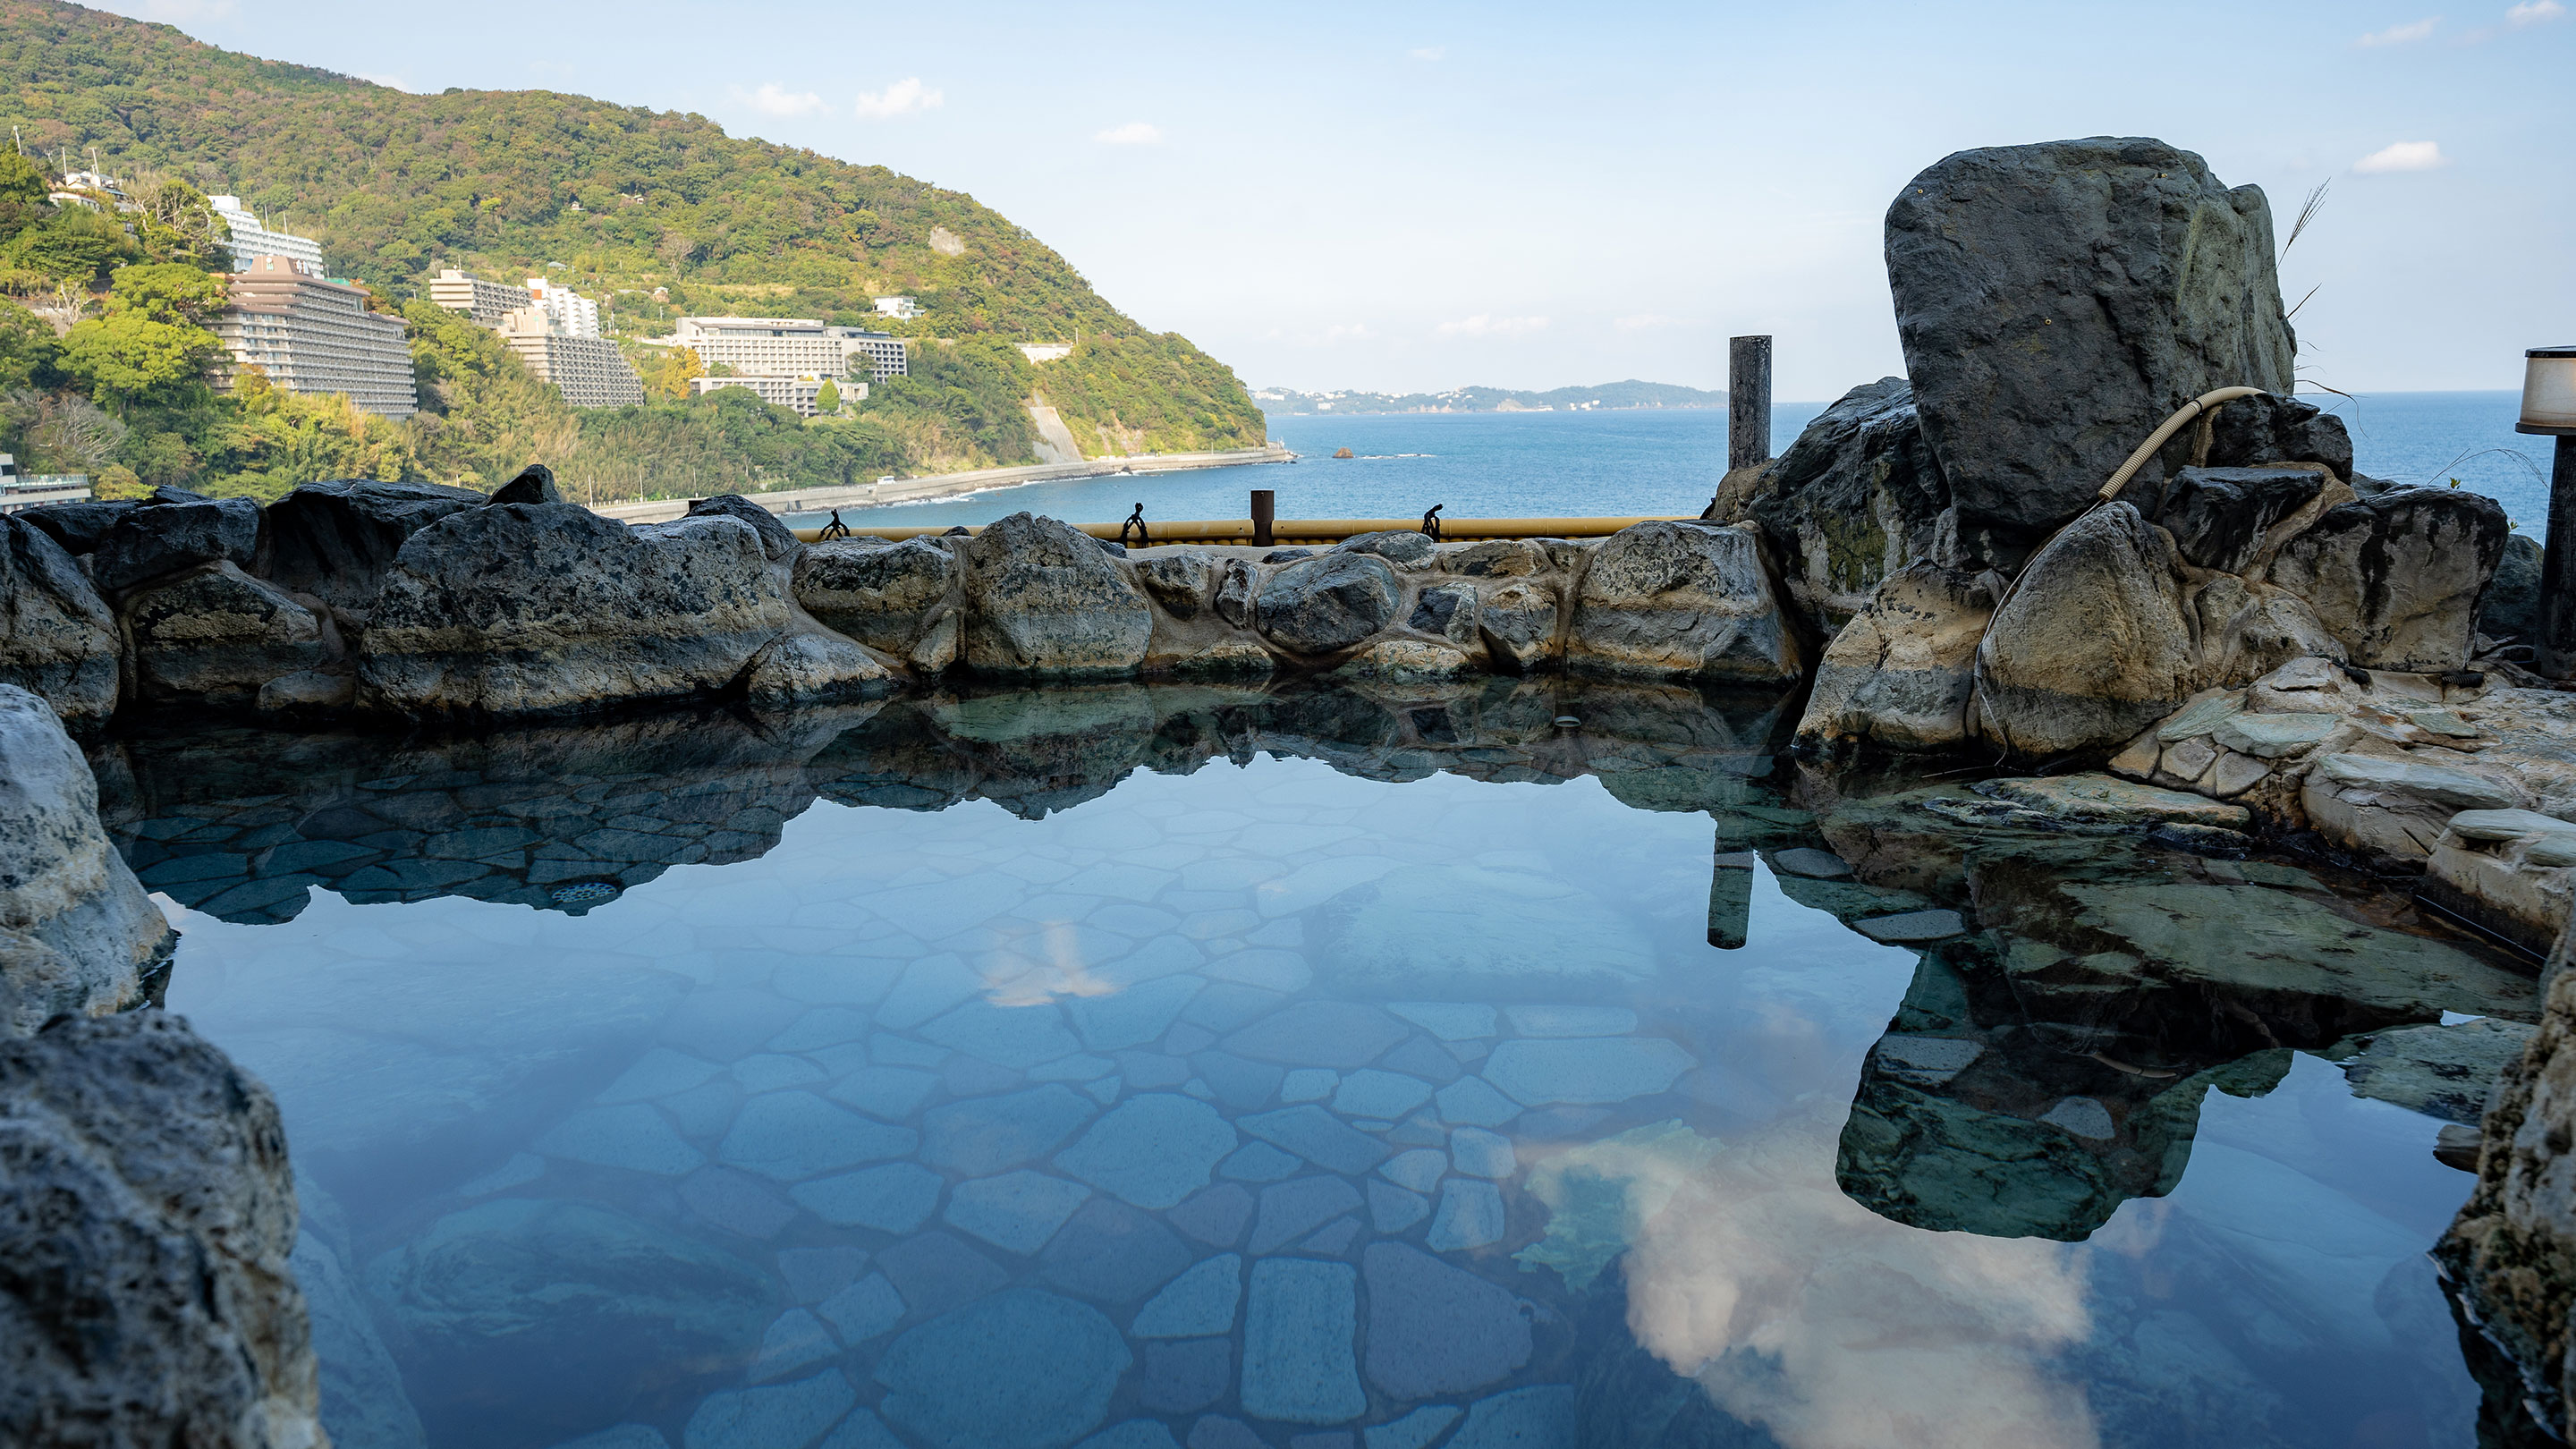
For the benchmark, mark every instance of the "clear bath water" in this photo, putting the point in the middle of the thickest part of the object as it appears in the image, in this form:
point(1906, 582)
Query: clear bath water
point(1138, 1066)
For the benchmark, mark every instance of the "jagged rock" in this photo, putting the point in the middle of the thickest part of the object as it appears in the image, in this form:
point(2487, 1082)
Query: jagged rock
point(2056, 302)
point(1409, 660)
point(2092, 646)
point(1178, 581)
point(2391, 805)
point(777, 540)
point(334, 540)
point(533, 608)
point(2511, 1253)
point(881, 594)
point(2271, 430)
point(2397, 578)
point(78, 527)
point(1043, 601)
point(57, 636)
point(77, 934)
point(145, 1292)
point(2250, 630)
point(1497, 558)
point(2509, 870)
point(812, 665)
point(1403, 548)
point(2102, 800)
point(1518, 621)
point(218, 634)
point(164, 538)
point(1899, 673)
point(535, 484)
point(1448, 610)
point(2440, 1071)
point(1683, 600)
point(1234, 593)
point(2510, 608)
point(2218, 516)
point(307, 691)
point(1325, 604)
point(1857, 497)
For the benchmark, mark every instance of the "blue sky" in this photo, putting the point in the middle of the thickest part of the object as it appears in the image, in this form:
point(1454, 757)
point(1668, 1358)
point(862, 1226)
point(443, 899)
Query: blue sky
point(1422, 196)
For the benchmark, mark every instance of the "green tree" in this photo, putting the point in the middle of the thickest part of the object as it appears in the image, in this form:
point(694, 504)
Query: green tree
point(22, 194)
point(126, 357)
point(171, 292)
point(71, 245)
point(29, 355)
point(827, 399)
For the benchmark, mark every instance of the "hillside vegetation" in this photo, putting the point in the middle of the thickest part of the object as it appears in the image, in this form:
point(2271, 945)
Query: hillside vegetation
point(626, 200)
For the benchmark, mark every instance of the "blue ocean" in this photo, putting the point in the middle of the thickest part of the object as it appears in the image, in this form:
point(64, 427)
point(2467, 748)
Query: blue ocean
point(1623, 464)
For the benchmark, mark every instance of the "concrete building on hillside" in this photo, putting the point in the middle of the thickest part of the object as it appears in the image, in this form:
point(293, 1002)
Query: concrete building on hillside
point(486, 302)
point(250, 241)
point(313, 336)
point(588, 371)
point(572, 314)
point(899, 307)
point(787, 347)
point(786, 392)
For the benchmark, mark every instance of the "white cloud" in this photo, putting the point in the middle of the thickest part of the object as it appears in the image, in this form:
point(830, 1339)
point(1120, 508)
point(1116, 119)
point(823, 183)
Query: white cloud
point(2533, 12)
point(2403, 156)
point(1434, 52)
point(1485, 324)
point(1645, 322)
point(773, 99)
point(2407, 34)
point(905, 97)
point(1134, 133)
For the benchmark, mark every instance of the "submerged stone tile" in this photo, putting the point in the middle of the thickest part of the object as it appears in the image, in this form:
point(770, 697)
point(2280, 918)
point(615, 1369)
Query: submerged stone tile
point(721, 1024)
point(762, 1418)
point(935, 1272)
point(1217, 1216)
point(1373, 1093)
point(994, 1134)
point(795, 1340)
point(1435, 1329)
point(1420, 1056)
point(1134, 1434)
point(1538, 1417)
point(1571, 1020)
point(1260, 1162)
point(1197, 1304)
point(1017, 1211)
point(1309, 1084)
point(1473, 1102)
point(1316, 1135)
point(736, 1200)
point(862, 1430)
point(624, 1436)
point(814, 1274)
point(1392, 1209)
point(1471, 1216)
point(1448, 1020)
point(1111, 1253)
point(1299, 1364)
point(658, 1073)
point(895, 1198)
point(1215, 1431)
point(1018, 1037)
point(1337, 1034)
point(1420, 1169)
point(794, 1135)
point(893, 1093)
point(1333, 1240)
point(1151, 1150)
point(1291, 1209)
point(769, 1071)
point(1911, 927)
point(634, 1137)
point(1479, 1153)
point(864, 1309)
point(1589, 1071)
point(1240, 1084)
point(1183, 1375)
point(1414, 1430)
point(820, 1027)
point(1024, 1367)
point(1226, 1005)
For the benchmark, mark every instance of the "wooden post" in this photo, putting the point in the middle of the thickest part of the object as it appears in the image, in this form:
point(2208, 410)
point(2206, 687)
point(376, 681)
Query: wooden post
point(2557, 651)
point(1265, 503)
point(1748, 401)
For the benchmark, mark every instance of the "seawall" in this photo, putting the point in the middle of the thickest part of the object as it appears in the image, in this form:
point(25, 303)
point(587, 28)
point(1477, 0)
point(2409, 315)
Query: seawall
point(952, 485)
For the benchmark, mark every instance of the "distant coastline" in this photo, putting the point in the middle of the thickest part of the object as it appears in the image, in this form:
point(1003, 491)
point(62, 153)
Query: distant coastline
point(1606, 397)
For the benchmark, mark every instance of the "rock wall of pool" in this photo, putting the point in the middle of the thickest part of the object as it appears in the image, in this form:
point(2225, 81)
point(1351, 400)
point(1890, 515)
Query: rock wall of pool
point(1132, 1066)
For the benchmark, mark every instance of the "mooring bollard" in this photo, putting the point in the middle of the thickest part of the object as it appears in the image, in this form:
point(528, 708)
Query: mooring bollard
point(1748, 401)
point(1264, 502)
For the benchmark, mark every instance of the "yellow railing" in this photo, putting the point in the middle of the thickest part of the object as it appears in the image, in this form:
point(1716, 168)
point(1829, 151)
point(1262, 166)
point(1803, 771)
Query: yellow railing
point(1238, 531)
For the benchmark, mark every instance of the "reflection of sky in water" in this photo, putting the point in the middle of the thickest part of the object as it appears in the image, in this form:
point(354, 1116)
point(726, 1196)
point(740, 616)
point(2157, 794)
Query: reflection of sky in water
point(956, 1128)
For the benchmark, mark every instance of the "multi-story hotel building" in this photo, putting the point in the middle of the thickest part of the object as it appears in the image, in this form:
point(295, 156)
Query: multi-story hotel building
point(786, 392)
point(313, 336)
point(250, 241)
point(588, 371)
point(486, 302)
point(787, 347)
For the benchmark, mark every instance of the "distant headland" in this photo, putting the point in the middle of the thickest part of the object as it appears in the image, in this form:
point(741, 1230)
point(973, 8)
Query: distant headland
point(1287, 402)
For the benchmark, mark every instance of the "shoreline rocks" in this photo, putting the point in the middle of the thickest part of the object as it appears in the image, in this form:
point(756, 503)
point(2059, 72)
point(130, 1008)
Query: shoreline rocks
point(78, 937)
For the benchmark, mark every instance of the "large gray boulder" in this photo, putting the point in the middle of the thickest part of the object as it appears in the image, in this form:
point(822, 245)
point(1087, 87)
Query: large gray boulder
point(885, 595)
point(1857, 497)
point(145, 1290)
point(2397, 577)
point(57, 636)
point(334, 540)
point(1043, 600)
point(535, 608)
point(163, 538)
point(2218, 516)
point(1328, 603)
point(1683, 601)
point(78, 527)
point(77, 934)
point(1898, 675)
point(217, 634)
point(2056, 302)
point(777, 541)
point(2510, 608)
point(2093, 645)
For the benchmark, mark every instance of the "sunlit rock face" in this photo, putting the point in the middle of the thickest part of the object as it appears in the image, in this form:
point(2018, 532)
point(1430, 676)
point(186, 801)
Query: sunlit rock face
point(77, 935)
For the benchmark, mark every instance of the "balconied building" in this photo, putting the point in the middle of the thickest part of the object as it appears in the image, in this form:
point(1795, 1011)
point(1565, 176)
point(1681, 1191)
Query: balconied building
point(486, 302)
point(250, 241)
point(786, 392)
point(313, 336)
point(572, 314)
point(787, 347)
point(588, 371)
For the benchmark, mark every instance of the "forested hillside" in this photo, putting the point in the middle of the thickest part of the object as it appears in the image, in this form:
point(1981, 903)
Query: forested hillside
point(626, 200)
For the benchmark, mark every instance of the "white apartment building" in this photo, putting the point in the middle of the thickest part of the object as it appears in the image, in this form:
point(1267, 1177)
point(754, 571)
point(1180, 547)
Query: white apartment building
point(588, 371)
point(1045, 351)
point(486, 302)
point(251, 241)
point(897, 307)
point(572, 314)
point(313, 336)
point(785, 392)
point(787, 347)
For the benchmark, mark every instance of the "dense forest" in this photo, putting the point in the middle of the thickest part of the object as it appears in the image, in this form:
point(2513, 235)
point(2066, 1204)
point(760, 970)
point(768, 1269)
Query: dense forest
point(618, 201)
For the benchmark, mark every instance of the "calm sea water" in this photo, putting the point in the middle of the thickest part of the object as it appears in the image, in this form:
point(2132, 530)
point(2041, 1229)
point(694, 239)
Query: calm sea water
point(1627, 464)
point(1301, 1067)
